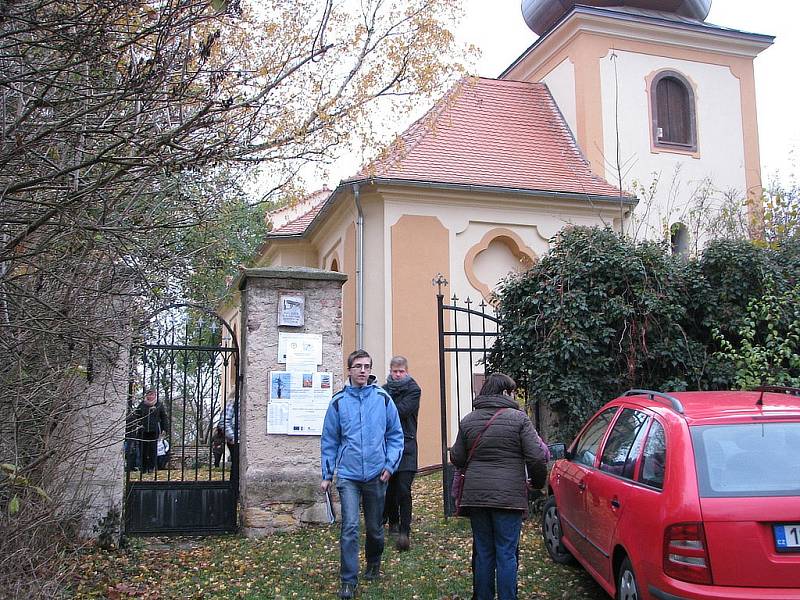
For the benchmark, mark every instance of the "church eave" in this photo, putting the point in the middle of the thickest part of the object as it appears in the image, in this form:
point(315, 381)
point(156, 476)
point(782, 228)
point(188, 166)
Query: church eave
point(626, 200)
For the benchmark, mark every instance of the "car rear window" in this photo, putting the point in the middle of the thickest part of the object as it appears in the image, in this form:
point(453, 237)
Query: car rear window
point(749, 459)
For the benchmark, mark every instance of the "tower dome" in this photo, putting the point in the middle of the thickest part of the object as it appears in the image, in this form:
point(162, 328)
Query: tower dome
point(541, 15)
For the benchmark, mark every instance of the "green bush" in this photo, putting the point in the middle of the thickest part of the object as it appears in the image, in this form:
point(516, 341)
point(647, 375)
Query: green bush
point(600, 314)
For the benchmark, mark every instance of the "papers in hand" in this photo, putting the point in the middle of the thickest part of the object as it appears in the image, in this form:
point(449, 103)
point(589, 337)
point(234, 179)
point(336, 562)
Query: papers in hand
point(329, 507)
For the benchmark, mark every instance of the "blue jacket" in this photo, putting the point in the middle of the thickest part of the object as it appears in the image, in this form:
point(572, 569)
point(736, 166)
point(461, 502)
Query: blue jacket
point(361, 435)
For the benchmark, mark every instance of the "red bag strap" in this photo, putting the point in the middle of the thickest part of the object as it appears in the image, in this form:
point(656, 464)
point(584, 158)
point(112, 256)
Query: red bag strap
point(478, 439)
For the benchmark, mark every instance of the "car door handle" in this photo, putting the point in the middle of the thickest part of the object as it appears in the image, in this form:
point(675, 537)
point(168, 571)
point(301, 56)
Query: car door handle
point(582, 485)
point(614, 503)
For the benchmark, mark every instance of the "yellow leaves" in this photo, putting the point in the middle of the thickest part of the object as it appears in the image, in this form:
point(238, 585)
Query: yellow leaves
point(14, 479)
point(305, 564)
point(13, 505)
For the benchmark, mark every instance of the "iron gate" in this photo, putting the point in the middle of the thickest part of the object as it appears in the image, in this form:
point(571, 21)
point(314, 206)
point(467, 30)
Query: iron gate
point(463, 347)
point(190, 357)
point(467, 333)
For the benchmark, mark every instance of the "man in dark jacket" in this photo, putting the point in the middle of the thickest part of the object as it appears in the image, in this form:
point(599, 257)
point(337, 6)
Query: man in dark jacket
point(406, 395)
point(151, 420)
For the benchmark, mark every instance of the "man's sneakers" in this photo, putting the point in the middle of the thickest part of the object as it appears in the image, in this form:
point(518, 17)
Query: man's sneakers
point(372, 572)
point(348, 590)
point(403, 542)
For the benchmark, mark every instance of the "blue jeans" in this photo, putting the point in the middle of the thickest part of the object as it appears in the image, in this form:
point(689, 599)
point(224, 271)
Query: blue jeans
point(352, 494)
point(495, 550)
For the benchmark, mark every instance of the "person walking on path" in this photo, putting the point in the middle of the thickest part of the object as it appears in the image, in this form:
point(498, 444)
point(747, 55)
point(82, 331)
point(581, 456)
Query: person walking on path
point(361, 445)
point(152, 421)
point(406, 395)
point(229, 422)
point(218, 444)
point(496, 442)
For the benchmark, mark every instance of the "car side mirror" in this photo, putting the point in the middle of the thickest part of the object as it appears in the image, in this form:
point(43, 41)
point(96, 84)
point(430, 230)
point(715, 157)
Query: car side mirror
point(557, 451)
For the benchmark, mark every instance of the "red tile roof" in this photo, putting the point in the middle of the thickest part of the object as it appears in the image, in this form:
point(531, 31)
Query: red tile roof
point(488, 133)
point(297, 226)
point(492, 132)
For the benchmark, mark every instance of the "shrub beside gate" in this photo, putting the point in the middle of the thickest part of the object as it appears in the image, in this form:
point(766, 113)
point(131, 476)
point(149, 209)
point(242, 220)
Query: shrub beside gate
point(600, 314)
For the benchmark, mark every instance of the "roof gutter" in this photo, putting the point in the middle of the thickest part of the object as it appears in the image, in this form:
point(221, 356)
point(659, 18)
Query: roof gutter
point(628, 201)
point(359, 265)
point(490, 189)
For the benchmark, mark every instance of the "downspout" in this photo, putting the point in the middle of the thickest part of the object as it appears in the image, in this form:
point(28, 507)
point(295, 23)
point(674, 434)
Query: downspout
point(359, 268)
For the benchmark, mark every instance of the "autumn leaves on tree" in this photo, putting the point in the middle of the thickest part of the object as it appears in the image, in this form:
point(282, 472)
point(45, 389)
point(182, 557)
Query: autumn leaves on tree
point(132, 135)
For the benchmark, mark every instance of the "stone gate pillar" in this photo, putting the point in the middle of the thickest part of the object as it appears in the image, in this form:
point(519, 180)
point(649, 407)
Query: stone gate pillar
point(280, 473)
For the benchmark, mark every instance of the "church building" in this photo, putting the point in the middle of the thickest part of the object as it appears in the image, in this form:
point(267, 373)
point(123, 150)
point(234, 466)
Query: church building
point(636, 115)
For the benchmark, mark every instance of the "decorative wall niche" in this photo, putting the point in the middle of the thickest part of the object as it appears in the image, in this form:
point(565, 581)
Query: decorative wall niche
point(499, 252)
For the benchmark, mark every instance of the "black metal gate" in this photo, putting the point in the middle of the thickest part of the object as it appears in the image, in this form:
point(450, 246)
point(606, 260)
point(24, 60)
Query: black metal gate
point(181, 454)
point(466, 335)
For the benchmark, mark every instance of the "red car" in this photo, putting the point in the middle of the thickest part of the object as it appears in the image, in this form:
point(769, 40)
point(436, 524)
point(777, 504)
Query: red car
point(688, 495)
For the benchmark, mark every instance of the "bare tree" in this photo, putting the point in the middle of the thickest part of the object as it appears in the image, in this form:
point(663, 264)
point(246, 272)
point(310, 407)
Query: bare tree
point(126, 125)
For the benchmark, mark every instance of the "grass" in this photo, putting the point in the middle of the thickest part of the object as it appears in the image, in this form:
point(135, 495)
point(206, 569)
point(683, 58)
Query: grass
point(203, 472)
point(305, 564)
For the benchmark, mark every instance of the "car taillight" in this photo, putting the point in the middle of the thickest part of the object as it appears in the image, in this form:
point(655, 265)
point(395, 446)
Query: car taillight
point(686, 553)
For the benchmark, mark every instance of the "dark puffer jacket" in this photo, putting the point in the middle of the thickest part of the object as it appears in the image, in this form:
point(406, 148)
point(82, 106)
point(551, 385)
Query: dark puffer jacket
point(151, 419)
point(495, 477)
point(406, 394)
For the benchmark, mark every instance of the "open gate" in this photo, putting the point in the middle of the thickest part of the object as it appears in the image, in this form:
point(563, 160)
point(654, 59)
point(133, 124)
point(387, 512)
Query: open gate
point(190, 357)
point(467, 332)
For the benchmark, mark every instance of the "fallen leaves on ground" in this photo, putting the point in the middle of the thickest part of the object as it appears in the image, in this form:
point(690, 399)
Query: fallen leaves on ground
point(305, 564)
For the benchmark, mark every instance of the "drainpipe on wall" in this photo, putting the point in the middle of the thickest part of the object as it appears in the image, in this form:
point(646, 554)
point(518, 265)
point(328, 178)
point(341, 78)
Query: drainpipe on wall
point(359, 268)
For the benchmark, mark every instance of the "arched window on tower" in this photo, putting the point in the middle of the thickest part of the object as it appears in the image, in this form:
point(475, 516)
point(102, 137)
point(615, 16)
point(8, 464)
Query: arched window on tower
point(673, 111)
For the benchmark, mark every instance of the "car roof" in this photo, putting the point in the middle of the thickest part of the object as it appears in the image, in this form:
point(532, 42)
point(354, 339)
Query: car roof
point(717, 407)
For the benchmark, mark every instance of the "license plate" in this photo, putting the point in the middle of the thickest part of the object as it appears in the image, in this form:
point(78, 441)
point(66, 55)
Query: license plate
point(787, 537)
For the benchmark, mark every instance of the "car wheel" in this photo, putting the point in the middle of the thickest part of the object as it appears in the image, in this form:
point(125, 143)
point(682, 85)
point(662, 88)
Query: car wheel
point(627, 588)
point(551, 531)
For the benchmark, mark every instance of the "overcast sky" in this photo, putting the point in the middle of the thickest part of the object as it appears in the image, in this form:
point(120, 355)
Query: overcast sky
point(497, 28)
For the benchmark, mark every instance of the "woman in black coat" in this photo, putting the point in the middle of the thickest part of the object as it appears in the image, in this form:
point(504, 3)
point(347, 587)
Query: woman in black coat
point(151, 421)
point(495, 494)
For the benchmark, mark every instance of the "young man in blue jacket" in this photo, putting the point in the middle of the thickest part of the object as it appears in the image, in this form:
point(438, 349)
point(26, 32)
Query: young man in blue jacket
point(362, 442)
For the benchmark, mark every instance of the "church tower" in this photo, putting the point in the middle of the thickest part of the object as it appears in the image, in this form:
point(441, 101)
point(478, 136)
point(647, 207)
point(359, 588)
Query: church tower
point(661, 103)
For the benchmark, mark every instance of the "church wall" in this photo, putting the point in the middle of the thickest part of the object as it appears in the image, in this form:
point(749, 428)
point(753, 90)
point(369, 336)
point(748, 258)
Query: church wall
point(719, 158)
point(294, 253)
point(561, 83)
point(462, 235)
point(419, 250)
point(349, 293)
point(335, 243)
point(721, 69)
point(376, 314)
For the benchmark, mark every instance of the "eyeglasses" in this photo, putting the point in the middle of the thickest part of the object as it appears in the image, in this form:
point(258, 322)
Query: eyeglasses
point(361, 367)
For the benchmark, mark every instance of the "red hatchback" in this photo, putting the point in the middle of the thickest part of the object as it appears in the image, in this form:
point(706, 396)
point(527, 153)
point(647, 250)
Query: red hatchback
point(688, 495)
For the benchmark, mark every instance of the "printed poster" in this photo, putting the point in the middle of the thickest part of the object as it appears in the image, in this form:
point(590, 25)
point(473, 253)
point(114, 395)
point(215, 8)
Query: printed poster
point(298, 401)
point(300, 348)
